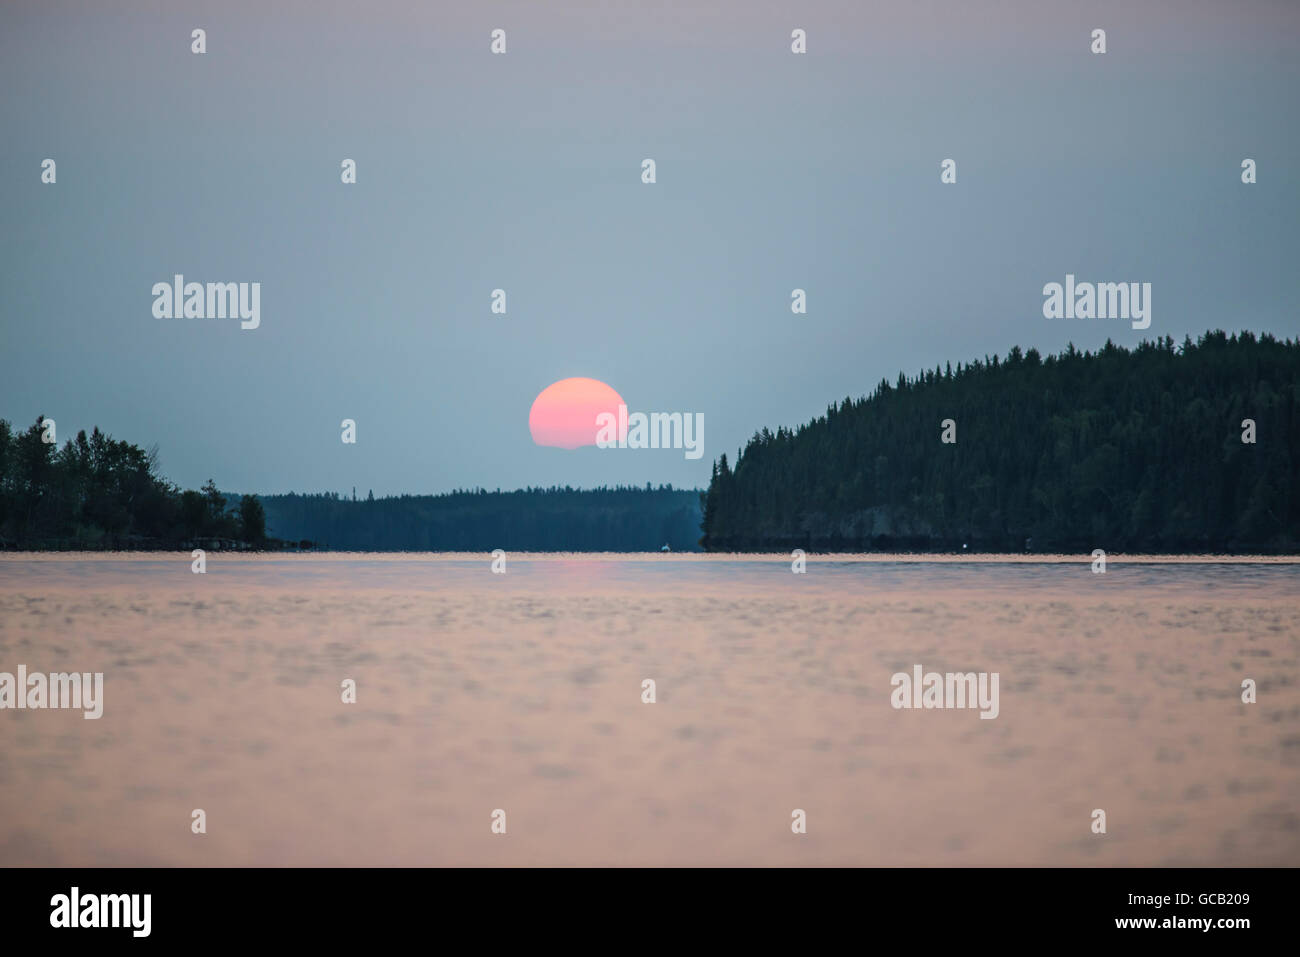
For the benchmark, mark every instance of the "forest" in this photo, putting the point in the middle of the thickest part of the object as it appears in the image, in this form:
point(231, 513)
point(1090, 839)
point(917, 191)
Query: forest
point(1158, 448)
point(533, 519)
point(97, 492)
point(1144, 449)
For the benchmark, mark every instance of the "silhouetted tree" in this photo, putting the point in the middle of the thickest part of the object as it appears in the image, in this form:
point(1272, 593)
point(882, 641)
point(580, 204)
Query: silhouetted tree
point(252, 519)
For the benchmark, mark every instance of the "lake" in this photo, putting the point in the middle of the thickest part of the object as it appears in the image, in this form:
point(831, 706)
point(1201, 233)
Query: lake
point(523, 692)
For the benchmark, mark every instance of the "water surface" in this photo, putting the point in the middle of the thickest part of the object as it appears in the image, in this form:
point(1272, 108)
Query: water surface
point(522, 692)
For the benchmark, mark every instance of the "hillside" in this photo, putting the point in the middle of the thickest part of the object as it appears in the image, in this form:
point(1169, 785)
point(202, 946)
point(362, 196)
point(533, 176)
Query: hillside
point(1133, 450)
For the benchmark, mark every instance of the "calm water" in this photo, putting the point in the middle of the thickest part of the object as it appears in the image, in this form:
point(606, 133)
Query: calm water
point(522, 692)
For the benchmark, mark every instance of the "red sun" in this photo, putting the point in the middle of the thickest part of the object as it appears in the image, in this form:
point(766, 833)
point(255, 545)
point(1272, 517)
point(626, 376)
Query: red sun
point(564, 413)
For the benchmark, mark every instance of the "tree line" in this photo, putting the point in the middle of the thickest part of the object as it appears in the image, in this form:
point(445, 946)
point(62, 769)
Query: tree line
point(1145, 449)
point(100, 493)
point(1160, 448)
point(97, 492)
point(623, 518)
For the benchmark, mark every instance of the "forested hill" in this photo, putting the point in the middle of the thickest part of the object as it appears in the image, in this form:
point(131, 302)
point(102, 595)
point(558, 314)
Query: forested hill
point(1137, 450)
point(541, 519)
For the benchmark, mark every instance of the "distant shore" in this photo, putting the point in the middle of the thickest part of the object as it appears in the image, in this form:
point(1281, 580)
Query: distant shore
point(1009, 558)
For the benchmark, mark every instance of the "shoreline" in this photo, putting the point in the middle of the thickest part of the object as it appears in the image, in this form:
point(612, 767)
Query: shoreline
point(883, 558)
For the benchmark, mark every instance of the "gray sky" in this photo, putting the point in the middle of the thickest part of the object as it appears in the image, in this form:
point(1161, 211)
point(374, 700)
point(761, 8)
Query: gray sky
point(522, 172)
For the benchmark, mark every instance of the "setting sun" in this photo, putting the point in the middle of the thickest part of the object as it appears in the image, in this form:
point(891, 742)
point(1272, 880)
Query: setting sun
point(564, 413)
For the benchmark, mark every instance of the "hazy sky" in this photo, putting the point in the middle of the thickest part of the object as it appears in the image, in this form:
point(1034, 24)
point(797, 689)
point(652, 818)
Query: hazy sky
point(523, 172)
